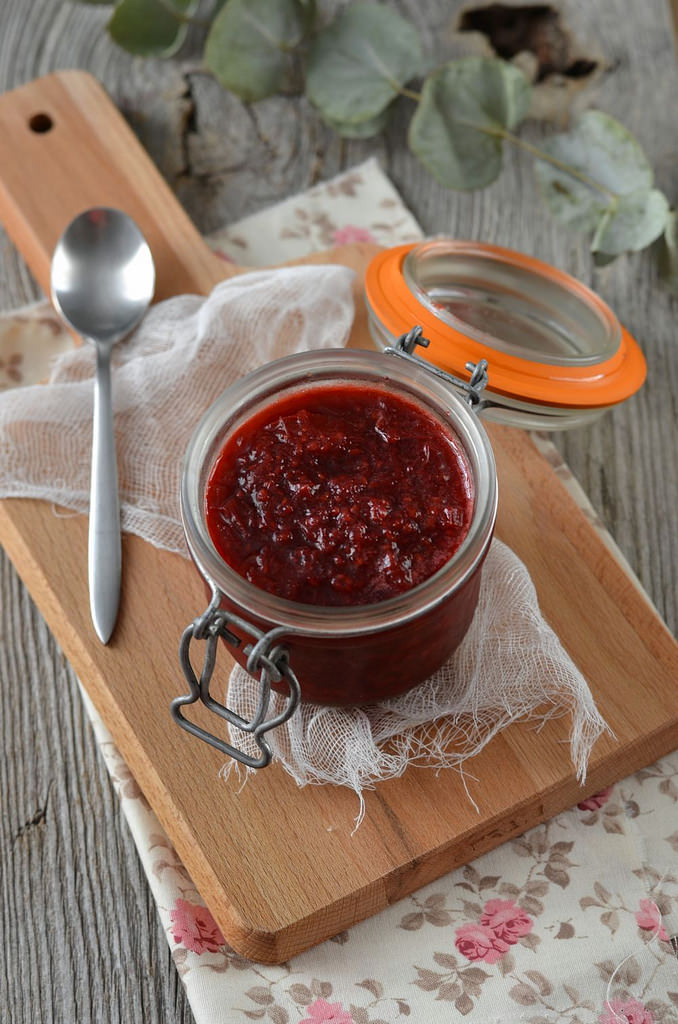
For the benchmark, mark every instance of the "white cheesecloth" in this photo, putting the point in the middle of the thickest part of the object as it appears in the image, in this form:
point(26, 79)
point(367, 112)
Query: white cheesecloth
point(185, 353)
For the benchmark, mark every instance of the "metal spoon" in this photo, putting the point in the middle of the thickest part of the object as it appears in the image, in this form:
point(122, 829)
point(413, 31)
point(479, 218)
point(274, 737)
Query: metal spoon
point(102, 280)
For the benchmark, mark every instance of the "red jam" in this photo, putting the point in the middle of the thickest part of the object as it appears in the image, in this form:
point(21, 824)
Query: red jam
point(342, 495)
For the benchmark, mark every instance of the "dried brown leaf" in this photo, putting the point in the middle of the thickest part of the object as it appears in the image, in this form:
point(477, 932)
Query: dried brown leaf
point(611, 920)
point(278, 1014)
point(428, 981)
point(449, 991)
point(523, 994)
point(464, 1004)
point(446, 960)
point(557, 875)
point(541, 983)
point(412, 922)
point(301, 994)
point(259, 994)
point(439, 918)
point(373, 986)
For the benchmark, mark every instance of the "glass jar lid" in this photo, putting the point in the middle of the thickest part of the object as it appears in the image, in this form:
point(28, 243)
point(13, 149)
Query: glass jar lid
point(557, 354)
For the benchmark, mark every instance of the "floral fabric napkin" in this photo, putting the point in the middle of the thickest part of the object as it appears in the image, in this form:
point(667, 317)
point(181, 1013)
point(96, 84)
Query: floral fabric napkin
point(573, 922)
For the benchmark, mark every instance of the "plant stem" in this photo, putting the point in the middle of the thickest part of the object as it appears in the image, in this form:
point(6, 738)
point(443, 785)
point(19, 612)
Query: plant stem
point(185, 19)
point(554, 161)
point(540, 154)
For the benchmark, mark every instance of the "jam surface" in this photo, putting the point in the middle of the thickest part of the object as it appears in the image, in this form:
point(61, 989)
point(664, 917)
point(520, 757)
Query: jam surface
point(340, 495)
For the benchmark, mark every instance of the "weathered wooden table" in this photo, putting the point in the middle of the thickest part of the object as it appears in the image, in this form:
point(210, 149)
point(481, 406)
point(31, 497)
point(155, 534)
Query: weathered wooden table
point(79, 932)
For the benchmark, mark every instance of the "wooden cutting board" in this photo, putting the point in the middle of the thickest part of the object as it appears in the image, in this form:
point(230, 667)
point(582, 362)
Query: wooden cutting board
point(279, 866)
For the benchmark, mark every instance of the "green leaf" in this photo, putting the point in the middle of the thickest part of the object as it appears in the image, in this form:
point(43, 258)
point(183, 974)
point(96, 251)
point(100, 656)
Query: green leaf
point(362, 130)
point(151, 28)
point(631, 223)
point(310, 11)
point(360, 62)
point(602, 259)
point(668, 268)
point(250, 44)
point(466, 106)
point(601, 150)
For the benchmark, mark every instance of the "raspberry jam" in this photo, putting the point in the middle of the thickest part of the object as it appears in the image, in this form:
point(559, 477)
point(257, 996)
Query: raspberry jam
point(347, 494)
point(344, 500)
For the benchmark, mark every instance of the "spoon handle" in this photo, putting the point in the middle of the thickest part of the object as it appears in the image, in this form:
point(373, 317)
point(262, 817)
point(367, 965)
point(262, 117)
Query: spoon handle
point(104, 550)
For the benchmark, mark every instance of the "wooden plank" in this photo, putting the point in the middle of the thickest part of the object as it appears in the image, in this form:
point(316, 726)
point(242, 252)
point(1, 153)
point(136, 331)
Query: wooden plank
point(75, 901)
point(271, 905)
point(268, 904)
point(71, 149)
point(673, 7)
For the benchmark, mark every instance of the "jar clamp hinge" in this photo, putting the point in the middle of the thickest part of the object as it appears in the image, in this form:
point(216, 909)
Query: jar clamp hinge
point(265, 659)
point(473, 388)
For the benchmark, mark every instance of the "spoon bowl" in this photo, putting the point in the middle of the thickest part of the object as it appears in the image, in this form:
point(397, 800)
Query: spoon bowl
point(102, 282)
point(102, 275)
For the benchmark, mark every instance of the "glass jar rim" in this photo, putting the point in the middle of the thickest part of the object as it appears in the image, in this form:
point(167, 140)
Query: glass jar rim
point(555, 392)
point(312, 369)
point(524, 280)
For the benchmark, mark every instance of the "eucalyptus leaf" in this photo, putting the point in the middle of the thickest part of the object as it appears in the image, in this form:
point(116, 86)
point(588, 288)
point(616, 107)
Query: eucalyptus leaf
point(602, 259)
point(609, 159)
point(310, 9)
point(363, 129)
point(465, 109)
point(151, 28)
point(668, 261)
point(360, 62)
point(631, 222)
point(250, 44)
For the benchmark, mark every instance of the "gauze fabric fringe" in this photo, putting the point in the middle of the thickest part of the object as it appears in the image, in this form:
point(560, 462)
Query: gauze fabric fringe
point(510, 666)
point(185, 353)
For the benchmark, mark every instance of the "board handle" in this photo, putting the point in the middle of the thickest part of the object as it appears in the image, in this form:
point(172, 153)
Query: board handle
point(68, 148)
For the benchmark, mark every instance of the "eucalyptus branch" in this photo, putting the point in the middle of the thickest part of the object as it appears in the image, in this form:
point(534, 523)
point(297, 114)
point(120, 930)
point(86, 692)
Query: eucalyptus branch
point(181, 17)
point(466, 111)
point(541, 154)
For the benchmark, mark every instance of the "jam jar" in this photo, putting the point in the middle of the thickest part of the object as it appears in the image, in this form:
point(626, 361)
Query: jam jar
point(346, 653)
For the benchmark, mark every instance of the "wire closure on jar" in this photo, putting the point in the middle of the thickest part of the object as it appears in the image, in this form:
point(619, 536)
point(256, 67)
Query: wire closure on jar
point(265, 660)
point(473, 388)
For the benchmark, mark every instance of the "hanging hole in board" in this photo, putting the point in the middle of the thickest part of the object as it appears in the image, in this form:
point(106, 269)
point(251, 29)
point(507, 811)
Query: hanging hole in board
point(40, 123)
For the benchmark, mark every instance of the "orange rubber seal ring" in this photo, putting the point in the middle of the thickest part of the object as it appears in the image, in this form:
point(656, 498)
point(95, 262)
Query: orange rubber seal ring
point(595, 385)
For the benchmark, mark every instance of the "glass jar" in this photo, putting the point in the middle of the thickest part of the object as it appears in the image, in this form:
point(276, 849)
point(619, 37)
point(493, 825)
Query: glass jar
point(559, 356)
point(331, 655)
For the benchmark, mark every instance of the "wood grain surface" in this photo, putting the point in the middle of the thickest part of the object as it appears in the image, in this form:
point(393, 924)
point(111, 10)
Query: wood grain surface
point(320, 880)
point(78, 928)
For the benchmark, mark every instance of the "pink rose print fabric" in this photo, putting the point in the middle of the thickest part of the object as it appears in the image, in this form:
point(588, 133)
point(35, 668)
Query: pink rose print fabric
point(508, 921)
point(649, 918)
point(477, 942)
point(501, 924)
point(194, 927)
point(561, 925)
point(596, 801)
point(322, 1012)
point(629, 1012)
point(350, 234)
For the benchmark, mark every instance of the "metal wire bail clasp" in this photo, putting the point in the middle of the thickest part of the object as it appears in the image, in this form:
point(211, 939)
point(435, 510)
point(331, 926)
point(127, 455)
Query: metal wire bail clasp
point(473, 388)
point(265, 661)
